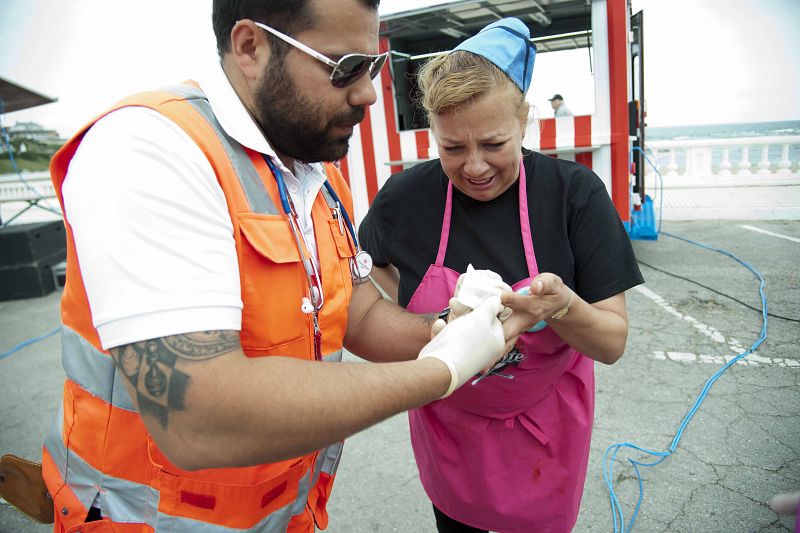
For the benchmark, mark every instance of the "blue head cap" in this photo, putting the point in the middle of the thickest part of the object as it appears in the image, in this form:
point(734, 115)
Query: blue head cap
point(506, 43)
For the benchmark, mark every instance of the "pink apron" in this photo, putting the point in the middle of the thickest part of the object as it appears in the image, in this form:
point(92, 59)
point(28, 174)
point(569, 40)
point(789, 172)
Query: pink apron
point(507, 455)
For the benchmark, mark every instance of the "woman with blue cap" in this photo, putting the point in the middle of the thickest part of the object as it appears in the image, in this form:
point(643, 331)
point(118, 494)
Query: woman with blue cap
point(507, 453)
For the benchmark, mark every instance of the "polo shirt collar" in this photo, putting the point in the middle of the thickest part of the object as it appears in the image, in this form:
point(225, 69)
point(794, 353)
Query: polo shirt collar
point(231, 112)
point(237, 122)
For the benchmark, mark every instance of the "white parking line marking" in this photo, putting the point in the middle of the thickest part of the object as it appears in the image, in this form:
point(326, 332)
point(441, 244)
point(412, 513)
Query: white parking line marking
point(751, 360)
point(709, 331)
point(765, 232)
point(732, 344)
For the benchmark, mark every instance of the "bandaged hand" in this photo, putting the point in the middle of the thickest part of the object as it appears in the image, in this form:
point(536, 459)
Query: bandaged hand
point(469, 343)
point(475, 286)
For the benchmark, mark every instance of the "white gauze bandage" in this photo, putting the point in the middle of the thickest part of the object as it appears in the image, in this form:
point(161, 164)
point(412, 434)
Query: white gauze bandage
point(475, 286)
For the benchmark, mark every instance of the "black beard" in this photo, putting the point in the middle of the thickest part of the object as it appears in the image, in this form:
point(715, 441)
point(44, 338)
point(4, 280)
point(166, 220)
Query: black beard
point(295, 126)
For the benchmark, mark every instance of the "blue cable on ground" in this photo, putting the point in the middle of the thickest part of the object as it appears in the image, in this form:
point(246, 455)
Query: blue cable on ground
point(614, 449)
point(28, 342)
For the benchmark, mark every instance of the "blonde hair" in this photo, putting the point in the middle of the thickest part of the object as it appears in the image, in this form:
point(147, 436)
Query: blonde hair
point(452, 81)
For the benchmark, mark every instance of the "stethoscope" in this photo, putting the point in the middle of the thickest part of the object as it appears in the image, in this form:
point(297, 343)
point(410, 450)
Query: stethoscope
point(360, 264)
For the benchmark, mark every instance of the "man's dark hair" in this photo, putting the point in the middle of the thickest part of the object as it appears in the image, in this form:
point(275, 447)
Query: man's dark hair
point(288, 16)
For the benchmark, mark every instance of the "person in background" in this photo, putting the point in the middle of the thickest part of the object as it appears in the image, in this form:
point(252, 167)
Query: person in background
point(508, 451)
point(560, 110)
point(212, 280)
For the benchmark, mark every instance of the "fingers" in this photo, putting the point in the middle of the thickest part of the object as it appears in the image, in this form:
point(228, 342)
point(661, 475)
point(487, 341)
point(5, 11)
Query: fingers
point(546, 283)
point(514, 327)
point(490, 306)
point(457, 309)
point(512, 300)
point(469, 343)
point(510, 344)
point(486, 369)
point(437, 327)
point(458, 283)
point(547, 294)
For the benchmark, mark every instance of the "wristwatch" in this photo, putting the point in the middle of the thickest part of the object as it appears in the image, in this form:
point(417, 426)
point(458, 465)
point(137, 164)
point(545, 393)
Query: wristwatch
point(561, 313)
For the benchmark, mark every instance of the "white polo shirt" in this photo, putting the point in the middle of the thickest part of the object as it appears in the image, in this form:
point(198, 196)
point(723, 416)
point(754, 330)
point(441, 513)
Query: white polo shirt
point(152, 230)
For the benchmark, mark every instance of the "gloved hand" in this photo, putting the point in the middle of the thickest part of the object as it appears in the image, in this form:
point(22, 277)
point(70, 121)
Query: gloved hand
point(473, 287)
point(470, 343)
point(478, 285)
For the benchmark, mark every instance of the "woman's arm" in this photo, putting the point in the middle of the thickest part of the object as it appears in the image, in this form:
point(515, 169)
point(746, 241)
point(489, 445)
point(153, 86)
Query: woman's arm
point(598, 330)
point(388, 280)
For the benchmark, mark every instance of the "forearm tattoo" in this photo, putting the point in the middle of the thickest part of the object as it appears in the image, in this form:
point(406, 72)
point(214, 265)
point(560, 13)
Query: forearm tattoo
point(429, 319)
point(150, 367)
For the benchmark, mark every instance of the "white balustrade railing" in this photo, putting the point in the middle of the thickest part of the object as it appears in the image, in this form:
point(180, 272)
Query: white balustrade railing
point(27, 197)
point(754, 158)
point(26, 186)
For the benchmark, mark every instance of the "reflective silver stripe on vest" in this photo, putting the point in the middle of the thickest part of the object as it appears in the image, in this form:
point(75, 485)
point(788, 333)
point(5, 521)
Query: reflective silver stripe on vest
point(332, 204)
point(276, 522)
point(328, 461)
point(322, 464)
point(93, 370)
point(332, 456)
point(333, 357)
point(183, 91)
point(119, 499)
point(84, 486)
point(126, 501)
point(257, 196)
point(303, 488)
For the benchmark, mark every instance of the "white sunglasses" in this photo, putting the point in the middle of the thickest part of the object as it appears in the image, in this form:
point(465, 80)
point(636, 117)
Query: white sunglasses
point(347, 70)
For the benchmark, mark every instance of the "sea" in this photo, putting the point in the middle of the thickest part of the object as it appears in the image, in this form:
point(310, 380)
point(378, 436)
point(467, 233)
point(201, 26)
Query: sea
point(727, 131)
point(724, 131)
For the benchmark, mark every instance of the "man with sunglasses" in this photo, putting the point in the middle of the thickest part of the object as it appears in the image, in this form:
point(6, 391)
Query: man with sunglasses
point(206, 258)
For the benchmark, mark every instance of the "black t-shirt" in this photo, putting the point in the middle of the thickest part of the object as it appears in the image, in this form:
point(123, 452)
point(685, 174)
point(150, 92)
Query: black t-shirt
point(576, 231)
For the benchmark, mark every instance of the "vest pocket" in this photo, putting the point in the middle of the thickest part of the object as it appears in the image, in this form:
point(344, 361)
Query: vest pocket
point(233, 503)
point(346, 250)
point(273, 284)
point(342, 240)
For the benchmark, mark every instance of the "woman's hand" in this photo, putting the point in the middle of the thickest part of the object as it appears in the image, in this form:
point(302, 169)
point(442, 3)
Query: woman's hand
point(548, 295)
point(598, 330)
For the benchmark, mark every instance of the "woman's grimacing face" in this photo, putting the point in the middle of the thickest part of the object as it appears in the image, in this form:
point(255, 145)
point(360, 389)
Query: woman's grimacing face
point(480, 145)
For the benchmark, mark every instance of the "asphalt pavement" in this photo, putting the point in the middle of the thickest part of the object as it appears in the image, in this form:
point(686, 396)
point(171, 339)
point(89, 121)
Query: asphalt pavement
point(741, 448)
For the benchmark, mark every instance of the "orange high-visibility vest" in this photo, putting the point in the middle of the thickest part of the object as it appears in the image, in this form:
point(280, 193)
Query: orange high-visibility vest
point(98, 449)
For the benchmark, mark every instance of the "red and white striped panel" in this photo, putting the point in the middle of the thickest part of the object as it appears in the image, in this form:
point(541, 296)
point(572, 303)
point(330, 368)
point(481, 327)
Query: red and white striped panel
point(377, 142)
point(564, 137)
point(599, 141)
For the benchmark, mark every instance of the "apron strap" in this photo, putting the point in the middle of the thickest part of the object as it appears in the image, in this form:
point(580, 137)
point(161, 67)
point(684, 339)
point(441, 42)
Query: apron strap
point(448, 207)
point(525, 222)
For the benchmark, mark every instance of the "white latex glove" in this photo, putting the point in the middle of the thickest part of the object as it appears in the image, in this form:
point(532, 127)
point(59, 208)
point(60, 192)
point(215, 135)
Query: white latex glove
point(475, 286)
point(470, 343)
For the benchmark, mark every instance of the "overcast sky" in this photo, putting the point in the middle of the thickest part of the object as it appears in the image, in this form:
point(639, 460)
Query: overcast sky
point(707, 61)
